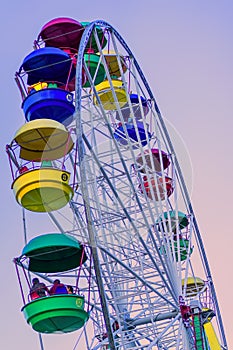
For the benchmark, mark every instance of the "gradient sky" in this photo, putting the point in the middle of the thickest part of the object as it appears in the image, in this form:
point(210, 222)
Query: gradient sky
point(185, 50)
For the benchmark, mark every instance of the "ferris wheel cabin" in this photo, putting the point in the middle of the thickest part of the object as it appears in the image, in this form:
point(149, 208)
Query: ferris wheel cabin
point(154, 160)
point(54, 252)
point(193, 286)
point(161, 188)
point(43, 139)
point(171, 219)
point(177, 250)
point(129, 129)
point(92, 44)
point(62, 32)
point(48, 64)
point(139, 108)
point(95, 69)
point(56, 313)
point(49, 103)
point(43, 190)
point(113, 65)
point(111, 100)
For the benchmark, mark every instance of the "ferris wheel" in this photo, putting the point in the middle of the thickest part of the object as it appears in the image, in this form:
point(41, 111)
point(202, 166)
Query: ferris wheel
point(96, 158)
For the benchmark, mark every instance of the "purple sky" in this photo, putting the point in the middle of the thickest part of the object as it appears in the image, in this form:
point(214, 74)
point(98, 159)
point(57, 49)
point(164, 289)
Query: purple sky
point(185, 50)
